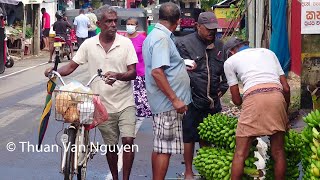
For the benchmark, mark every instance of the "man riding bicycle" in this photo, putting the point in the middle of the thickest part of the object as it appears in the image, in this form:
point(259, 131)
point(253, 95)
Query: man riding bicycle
point(61, 27)
point(115, 55)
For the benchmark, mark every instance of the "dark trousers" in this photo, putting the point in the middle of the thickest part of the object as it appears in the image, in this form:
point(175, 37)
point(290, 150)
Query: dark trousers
point(80, 41)
point(91, 34)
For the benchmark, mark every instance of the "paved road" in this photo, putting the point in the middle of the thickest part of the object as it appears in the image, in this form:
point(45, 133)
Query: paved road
point(22, 98)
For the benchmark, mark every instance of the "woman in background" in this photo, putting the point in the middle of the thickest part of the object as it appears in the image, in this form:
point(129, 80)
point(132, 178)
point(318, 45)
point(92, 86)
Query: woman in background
point(139, 87)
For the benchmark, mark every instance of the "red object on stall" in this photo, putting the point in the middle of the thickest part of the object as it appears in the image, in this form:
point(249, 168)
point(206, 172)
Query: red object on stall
point(187, 22)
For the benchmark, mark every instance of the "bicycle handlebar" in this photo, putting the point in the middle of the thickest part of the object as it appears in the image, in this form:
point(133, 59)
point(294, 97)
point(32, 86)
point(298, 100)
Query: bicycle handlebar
point(55, 73)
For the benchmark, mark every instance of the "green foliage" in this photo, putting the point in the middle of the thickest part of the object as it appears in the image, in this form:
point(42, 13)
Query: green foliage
point(242, 34)
point(207, 4)
point(295, 103)
point(29, 32)
point(96, 4)
point(238, 9)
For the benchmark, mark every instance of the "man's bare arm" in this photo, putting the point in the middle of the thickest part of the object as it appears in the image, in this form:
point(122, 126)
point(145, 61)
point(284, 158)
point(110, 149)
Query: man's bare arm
point(129, 75)
point(163, 84)
point(286, 89)
point(64, 70)
point(235, 93)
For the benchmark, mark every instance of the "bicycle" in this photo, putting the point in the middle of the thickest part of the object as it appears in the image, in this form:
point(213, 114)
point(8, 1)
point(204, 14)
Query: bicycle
point(77, 109)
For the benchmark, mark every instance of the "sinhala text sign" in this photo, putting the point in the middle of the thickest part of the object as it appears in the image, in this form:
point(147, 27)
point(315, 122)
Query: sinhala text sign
point(310, 17)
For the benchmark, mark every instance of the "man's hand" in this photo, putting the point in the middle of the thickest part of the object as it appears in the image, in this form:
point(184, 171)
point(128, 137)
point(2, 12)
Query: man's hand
point(111, 77)
point(179, 106)
point(47, 71)
point(190, 64)
point(191, 68)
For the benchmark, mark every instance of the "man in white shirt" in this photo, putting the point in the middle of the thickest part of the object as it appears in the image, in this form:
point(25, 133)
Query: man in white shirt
point(116, 56)
point(264, 104)
point(81, 25)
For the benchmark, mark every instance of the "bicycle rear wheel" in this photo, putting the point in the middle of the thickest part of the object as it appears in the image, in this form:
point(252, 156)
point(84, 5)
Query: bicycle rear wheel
point(82, 169)
point(69, 170)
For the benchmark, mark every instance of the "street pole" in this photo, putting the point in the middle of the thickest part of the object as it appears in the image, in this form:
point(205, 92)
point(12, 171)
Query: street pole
point(24, 27)
point(36, 29)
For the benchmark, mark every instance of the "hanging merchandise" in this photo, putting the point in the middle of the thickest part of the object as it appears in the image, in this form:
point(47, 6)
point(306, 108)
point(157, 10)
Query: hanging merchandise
point(279, 34)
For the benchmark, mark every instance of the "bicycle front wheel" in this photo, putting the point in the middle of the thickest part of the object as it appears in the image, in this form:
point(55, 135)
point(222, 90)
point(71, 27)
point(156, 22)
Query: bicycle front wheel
point(69, 168)
point(82, 169)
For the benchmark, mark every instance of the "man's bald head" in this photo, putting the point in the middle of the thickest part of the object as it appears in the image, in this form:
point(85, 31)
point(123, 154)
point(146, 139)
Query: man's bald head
point(169, 12)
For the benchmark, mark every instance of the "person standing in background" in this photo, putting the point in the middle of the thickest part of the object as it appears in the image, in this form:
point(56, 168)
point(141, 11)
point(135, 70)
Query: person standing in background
point(45, 28)
point(81, 25)
point(93, 20)
point(139, 84)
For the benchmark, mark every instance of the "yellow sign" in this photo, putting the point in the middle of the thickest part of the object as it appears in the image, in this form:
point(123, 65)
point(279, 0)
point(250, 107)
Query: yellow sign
point(57, 44)
point(224, 12)
point(309, 55)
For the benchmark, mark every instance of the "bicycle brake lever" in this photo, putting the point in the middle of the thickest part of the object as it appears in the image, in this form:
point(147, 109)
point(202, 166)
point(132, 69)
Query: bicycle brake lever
point(100, 72)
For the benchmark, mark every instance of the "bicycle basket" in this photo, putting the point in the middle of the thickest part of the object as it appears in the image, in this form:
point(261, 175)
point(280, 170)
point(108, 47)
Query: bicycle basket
point(74, 107)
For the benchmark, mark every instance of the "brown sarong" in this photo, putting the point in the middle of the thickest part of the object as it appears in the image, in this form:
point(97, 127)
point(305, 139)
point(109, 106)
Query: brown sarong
point(263, 111)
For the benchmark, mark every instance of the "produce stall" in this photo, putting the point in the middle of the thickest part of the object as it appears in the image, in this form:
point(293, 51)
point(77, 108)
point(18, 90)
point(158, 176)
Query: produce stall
point(301, 148)
point(15, 37)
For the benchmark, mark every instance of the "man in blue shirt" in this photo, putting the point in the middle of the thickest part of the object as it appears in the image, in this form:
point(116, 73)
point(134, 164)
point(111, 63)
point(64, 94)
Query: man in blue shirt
point(168, 88)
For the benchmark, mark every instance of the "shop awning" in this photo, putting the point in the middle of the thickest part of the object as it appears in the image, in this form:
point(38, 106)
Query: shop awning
point(16, 2)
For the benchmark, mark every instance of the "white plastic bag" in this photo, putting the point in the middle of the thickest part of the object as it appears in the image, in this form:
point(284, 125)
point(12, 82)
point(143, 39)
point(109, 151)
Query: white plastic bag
point(76, 86)
point(86, 112)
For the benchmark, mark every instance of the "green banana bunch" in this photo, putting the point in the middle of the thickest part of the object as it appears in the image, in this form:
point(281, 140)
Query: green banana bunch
point(306, 134)
point(313, 118)
point(219, 130)
point(315, 168)
point(293, 146)
point(313, 163)
point(307, 157)
point(311, 153)
point(215, 163)
point(293, 142)
point(306, 152)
